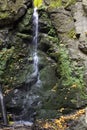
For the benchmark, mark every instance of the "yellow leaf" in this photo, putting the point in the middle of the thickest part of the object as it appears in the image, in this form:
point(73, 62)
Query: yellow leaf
point(62, 109)
point(74, 86)
point(11, 122)
point(37, 3)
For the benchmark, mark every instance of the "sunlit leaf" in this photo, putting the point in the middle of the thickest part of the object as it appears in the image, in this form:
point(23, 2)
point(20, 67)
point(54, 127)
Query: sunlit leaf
point(37, 3)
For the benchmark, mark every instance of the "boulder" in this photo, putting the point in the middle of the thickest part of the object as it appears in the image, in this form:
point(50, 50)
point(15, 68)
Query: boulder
point(62, 21)
point(83, 47)
point(11, 11)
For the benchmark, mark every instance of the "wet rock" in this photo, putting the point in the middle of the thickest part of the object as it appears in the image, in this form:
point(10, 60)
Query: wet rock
point(21, 12)
point(44, 44)
point(28, 97)
point(4, 37)
point(26, 23)
point(17, 128)
point(28, 3)
point(44, 93)
point(44, 22)
point(24, 36)
point(83, 47)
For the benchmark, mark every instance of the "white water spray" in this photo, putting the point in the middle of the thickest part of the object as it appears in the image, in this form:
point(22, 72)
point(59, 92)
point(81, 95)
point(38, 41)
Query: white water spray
point(35, 23)
point(35, 41)
point(3, 108)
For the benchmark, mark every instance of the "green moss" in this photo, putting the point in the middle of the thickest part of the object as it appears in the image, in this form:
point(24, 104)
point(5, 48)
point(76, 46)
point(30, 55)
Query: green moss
point(8, 8)
point(72, 33)
point(56, 3)
point(69, 3)
point(4, 15)
point(70, 86)
point(37, 3)
point(59, 3)
point(13, 8)
point(24, 36)
point(71, 75)
point(51, 32)
point(53, 39)
point(25, 23)
point(5, 54)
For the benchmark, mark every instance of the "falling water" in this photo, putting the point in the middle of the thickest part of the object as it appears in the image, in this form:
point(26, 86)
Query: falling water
point(35, 41)
point(3, 107)
point(34, 54)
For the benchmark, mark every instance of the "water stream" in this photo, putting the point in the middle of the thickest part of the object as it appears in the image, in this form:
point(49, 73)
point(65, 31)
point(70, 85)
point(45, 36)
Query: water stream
point(23, 118)
point(34, 75)
point(35, 41)
point(4, 115)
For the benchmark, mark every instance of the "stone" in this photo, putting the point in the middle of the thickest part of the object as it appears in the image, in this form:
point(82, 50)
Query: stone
point(85, 78)
point(66, 22)
point(62, 21)
point(44, 43)
point(78, 124)
point(11, 11)
point(24, 26)
point(83, 47)
point(84, 2)
point(46, 95)
point(80, 21)
point(47, 3)
point(24, 36)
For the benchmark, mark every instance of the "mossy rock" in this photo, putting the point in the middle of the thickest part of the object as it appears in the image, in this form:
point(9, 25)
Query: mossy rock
point(11, 11)
point(47, 114)
point(26, 22)
point(24, 36)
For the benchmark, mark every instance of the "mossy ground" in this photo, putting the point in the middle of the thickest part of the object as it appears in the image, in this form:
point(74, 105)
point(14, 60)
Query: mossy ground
point(60, 3)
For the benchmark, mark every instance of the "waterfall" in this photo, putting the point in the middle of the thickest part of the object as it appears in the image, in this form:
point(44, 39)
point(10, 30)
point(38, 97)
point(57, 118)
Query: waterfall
point(3, 107)
point(35, 41)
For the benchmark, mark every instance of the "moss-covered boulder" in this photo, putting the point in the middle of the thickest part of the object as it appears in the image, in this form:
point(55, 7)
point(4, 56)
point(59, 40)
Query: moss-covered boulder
point(25, 25)
point(10, 11)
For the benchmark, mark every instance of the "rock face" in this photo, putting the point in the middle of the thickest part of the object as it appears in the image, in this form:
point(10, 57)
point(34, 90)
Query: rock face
point(28, 92)
point(62, 51)
point(84, 2)
point(10, 11)
point(62, 21)
point(71, 29)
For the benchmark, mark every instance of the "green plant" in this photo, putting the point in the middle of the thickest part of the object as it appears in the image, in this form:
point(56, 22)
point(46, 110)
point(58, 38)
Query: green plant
point(72, 33)
point(67, 69)
point(51, 32)
point(56, 3)
point(70, 2)
point(4, 15)
point(5, 54)
point(37, 3)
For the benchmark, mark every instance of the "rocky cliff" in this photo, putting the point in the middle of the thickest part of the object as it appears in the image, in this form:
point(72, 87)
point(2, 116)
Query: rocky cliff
point(62, 52)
